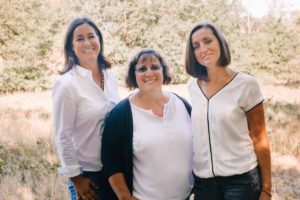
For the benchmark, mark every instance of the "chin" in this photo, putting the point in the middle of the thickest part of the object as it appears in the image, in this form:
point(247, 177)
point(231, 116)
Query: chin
point(150, 88)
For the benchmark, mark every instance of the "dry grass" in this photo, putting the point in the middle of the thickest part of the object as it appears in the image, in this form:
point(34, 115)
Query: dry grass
point(28, 158)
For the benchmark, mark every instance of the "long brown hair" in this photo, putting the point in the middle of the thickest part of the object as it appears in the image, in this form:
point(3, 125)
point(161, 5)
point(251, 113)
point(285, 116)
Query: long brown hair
point(70, 56)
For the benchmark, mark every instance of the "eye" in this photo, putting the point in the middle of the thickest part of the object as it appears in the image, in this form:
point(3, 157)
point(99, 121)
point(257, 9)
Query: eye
point(196, 47)
point(155, 68)
point(141, 69)
point(91, 36)
point(207, 41)
point(78, 39)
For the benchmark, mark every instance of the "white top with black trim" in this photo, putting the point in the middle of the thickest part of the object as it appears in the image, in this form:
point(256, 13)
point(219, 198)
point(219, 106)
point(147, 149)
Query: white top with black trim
point(162, 152)
point(222, 144)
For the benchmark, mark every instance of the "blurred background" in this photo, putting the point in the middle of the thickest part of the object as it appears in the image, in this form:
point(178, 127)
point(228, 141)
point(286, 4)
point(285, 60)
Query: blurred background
point(264, 38)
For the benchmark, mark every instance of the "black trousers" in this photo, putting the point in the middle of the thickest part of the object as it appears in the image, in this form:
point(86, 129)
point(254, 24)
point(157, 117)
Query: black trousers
point(245, 186)
point(104, 190)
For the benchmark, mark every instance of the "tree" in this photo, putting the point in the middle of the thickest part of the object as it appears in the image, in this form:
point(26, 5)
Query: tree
point(32, 33)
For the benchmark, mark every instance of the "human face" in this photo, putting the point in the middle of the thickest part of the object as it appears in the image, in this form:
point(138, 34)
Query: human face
point(206, 47)
point(148, 72)
point(86, 44)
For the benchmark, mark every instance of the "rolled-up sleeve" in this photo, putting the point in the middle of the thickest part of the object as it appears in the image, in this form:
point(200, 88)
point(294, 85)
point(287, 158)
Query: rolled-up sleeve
point(64, 115)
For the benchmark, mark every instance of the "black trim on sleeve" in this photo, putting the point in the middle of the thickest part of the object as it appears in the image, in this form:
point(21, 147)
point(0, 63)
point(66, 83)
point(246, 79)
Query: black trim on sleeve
point(254, 106)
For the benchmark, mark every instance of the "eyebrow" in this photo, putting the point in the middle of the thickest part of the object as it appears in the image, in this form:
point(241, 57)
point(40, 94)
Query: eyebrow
point(91, 33)
point(143, 66)
point(204, 38)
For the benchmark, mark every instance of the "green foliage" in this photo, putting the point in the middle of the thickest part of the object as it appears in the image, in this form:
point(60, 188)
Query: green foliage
point(24, 157)
point(32, 33)
point(283, 119)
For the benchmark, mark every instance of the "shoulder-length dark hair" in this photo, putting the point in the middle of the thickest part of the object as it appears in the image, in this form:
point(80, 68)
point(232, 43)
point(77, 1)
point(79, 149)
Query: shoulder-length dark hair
point(70, 57)
point(130, 77)
point(192, 66)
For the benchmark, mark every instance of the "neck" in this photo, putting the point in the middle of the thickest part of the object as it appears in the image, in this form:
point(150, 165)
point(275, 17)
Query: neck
point(217, 73)
point(148, 98)
point(150, 95)
point(93, 66)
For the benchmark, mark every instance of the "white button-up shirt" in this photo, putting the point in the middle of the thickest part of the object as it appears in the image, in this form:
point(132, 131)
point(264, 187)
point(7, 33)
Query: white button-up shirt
point(162, 152)
point(79, 110)
point(222, 144)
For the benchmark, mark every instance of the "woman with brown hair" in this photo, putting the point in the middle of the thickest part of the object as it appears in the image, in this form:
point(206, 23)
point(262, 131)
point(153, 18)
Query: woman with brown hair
point(231, 149)
point(147, 139)
point(82, 97)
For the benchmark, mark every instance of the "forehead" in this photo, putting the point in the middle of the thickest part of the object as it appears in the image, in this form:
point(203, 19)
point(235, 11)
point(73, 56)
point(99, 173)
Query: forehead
point(83, 29)
point(148, 58)
point(202, 33)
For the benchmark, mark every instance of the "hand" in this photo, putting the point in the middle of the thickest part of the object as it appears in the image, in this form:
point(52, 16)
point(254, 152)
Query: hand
point(129, 198)
point(83, 188)
point(264, 196)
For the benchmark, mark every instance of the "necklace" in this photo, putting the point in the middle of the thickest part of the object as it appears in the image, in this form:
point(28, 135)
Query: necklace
point(102, 80)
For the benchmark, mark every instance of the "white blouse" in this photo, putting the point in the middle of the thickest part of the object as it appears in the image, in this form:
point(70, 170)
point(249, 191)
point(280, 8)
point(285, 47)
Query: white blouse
point(162, 152)
point(79, 110)
point(222, 144)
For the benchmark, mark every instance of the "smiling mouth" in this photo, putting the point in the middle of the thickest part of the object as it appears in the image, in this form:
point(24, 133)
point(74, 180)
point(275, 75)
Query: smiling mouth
point(87, 50)
point(204, 57)
point(150, 81)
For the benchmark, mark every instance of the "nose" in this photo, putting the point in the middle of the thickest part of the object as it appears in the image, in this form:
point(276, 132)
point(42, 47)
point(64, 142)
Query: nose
point(149, 72)
point(203, 49)
point(86, 42)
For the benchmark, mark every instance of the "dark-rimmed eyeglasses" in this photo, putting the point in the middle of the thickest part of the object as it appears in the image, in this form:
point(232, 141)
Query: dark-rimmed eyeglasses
point(143, 69)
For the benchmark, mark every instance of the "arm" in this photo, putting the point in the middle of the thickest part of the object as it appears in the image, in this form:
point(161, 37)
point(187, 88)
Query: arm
point(256, 123)
point(115, 150)
point(64, 114)
point(118, 184)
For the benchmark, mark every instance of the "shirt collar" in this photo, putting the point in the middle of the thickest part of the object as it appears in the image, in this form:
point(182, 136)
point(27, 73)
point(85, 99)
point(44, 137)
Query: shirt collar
point(82, 71)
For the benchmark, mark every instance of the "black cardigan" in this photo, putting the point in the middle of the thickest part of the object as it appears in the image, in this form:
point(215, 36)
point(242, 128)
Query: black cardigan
point(116, 151)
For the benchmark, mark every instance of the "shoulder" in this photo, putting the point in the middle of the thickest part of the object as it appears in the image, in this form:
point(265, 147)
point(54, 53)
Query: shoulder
point(184, 101)
point(176, 96)
point(123, 107)
point(193, 85)
point(64, 82)
point(246, 78)
point(192, 82)
point(109, 74)
point(243, 82)
point(123, 104)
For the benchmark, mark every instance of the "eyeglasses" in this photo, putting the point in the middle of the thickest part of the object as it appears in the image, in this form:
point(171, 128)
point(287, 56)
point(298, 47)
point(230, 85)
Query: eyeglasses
point(143, 69)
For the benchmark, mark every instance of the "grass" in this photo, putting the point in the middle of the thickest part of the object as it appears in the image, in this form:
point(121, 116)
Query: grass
point(29, 161)
point(28, 157)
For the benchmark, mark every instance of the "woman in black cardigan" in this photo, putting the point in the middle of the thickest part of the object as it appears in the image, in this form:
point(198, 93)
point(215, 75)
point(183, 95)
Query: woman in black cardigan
point(147, 139)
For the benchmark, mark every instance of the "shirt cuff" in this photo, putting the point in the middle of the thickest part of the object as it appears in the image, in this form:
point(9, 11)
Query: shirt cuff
point(70, 171)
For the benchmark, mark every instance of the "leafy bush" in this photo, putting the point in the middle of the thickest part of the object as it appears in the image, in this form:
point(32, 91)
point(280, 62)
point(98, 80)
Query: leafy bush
point(32, 33)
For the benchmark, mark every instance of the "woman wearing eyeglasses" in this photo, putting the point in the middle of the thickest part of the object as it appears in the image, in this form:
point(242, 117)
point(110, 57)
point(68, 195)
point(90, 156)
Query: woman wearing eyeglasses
point(147, 139)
